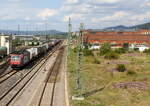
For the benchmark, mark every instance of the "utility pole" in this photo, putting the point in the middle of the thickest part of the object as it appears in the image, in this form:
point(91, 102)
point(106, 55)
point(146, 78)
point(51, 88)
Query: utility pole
point(80, 57)
point(46, 35)
point(27, 30)
point(69, 35)
point(36, 29)
point(79, 85)
point(18, 29)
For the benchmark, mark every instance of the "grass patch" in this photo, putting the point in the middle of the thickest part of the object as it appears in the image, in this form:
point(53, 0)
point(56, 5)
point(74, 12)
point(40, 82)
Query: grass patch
point(131, 72)
point(111, 55)
point(95, 75)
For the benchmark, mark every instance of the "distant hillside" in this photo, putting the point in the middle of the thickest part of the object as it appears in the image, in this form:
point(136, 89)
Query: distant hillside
point(142, 26)
point(121, 27)
point(49, 32)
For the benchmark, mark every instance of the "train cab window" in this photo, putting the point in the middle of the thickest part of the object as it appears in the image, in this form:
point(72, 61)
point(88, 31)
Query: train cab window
point(15, 58)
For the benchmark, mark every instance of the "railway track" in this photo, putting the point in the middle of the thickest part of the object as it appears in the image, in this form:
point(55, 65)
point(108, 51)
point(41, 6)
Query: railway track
point(12, 73)
point(52, 78)
point(7, 76)
point(7, 97)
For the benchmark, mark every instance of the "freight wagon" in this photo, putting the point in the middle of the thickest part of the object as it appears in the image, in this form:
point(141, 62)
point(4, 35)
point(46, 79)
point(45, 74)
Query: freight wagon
point(30, 43)
point(32, 53)
point(33, 43)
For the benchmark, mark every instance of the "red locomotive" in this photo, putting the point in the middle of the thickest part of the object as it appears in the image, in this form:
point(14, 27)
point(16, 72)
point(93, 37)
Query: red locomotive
point(19, 59)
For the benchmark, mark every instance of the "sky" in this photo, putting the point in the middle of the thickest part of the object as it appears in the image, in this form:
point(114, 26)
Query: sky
point(95, 14)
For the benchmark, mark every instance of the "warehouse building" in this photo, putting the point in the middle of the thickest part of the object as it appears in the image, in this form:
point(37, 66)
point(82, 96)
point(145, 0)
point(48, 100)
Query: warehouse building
point(118, 38)
point(139, 37)
point(23, 37)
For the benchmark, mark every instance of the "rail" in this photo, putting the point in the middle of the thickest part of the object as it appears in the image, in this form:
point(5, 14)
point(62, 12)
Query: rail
point(7, 95)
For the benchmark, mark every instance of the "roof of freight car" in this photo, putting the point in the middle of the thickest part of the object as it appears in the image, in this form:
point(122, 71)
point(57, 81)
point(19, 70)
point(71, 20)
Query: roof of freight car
point(19, 52)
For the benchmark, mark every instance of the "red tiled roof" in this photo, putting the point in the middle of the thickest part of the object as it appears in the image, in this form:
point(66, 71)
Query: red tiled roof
point(118, 37)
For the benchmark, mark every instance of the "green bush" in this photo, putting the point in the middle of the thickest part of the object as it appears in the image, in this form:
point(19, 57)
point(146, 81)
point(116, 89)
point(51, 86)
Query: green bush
point(87, 52)
point(96, 61)
point(136, 49)
point(75, 49)
point(105, 48)
point(111, 55)
point(131, 72)
point(120, 50)
point(121, 67)
point(147, 51)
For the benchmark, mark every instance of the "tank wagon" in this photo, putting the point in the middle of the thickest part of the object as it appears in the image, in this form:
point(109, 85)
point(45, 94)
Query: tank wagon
point(23, 57)
point(33, 43)
point(30, 43)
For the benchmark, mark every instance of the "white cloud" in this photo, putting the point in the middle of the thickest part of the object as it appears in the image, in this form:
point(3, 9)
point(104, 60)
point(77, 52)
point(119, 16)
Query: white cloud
point(14, 0)
point(145, 4)
point(72, 1)
point(105, 1)
point(80, 8)
point(46, 13)
point(6, 17)
point(101, 12)
point(40, 23)
point(117, 16)
point(141, 17)
point(27, 18)
point(74, 17)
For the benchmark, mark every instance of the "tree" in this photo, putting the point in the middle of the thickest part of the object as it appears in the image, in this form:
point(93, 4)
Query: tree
point(106, 48)
point(87, 52)
point(112, 55)
point(16, 42)
point(120, 50)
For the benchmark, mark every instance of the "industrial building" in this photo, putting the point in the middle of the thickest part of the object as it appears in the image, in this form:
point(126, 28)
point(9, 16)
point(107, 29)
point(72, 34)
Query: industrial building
point(23, 37)
point(30, 37)
point(41, 37)
point(139, 37)
point(118, 38)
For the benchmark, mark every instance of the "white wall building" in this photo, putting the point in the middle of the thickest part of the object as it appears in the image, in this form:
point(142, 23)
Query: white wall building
point(95, 47)
point(141, 47)
point(6, 41)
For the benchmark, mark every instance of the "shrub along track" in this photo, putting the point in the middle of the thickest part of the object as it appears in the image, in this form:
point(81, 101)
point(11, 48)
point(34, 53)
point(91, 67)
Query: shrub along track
point(7, 97)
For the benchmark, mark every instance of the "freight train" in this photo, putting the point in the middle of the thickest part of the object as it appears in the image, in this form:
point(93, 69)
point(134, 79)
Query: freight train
point(21, 58)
